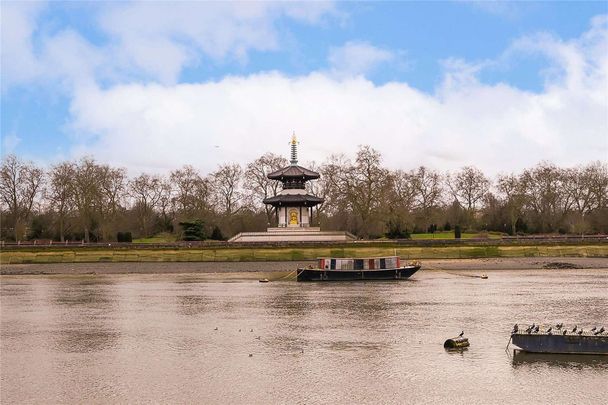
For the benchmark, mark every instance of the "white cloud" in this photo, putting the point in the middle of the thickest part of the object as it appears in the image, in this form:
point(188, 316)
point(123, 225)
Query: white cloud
point(18, 25)
point(9, 143)
point(156, 40)
point(497, 128)
point(358, 58)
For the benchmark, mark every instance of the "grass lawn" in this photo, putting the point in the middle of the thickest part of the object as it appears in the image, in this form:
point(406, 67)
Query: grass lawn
point(184, 254)
point(450, 235)
point(160, 238)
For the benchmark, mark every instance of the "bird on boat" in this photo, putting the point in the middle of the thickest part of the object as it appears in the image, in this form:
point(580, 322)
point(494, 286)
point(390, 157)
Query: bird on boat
point(536, 329)
point(515, 329)
point(574, 329)
point(549, 330)
point(461, 334)
point(565, 331)
point(559, 326)
point(529, 330)
point(580, 332)
point(594, 329)
point(600, 331)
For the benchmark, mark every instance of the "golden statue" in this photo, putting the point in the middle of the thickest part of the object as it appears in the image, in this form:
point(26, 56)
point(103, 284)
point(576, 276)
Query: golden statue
point(293, 217)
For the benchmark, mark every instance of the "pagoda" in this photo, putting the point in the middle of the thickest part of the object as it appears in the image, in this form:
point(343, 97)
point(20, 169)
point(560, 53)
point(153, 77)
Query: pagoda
point(293, 208)
point(293, 205)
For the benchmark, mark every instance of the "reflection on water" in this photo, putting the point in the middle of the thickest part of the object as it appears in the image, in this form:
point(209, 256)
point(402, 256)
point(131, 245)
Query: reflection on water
point(566, 361)
point(192, 339)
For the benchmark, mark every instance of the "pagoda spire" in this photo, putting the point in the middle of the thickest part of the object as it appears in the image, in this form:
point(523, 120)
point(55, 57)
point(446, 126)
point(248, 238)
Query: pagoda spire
point(294, 149)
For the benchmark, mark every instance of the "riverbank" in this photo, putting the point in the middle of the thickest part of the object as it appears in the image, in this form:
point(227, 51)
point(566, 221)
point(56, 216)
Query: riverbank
point(227, 253)
point(277, 268)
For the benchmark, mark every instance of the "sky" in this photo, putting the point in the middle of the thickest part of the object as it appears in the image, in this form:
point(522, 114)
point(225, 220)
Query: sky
point(152, 86)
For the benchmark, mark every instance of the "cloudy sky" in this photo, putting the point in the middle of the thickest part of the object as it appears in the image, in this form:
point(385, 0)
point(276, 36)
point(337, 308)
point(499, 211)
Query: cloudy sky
point(152, 86)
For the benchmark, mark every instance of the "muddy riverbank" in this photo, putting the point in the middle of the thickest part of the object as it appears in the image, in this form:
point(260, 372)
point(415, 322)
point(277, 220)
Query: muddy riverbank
point(519, 263)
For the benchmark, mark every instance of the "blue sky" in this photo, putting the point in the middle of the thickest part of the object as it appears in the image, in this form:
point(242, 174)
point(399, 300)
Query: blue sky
point(152, 86)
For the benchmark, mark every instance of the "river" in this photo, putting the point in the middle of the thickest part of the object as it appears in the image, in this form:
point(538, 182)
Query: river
point(182, 338)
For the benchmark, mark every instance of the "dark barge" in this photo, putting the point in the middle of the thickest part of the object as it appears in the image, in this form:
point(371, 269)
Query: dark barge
point(561, 344)
point(339, 269)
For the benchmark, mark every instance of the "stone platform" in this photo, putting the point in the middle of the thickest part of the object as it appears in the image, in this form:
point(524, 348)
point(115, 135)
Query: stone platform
point(293, 234)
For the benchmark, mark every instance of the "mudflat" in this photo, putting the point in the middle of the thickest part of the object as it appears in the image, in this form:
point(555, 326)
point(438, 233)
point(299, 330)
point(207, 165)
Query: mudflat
point(515, 263)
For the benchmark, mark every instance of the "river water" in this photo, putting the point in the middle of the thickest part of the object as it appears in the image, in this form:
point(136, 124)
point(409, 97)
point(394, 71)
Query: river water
point(195, 339)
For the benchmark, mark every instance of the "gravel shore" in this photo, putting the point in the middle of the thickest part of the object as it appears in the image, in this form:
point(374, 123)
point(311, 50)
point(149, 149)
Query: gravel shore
point(517, 263)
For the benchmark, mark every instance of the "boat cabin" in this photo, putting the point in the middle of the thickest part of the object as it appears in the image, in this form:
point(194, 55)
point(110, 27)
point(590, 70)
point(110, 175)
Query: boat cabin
point(375, 263)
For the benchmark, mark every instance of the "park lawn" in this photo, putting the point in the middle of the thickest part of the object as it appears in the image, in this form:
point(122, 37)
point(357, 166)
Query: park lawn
point(229, 254)
point(450, 235)
point(160, 238)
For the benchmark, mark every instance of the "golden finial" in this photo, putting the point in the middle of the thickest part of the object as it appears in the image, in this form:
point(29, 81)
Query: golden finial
point(294, 149)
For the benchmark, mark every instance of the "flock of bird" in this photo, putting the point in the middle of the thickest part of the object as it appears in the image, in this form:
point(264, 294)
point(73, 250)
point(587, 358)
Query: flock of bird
point(559, 328)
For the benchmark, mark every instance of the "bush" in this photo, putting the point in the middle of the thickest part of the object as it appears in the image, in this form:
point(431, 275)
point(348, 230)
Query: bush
point(194, 230)
point(395, 231)
point(124, 237)
point(457, 233)
point(216, 234)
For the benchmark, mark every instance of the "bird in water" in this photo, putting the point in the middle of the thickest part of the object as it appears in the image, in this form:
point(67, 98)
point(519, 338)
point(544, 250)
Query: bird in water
point(549, 330)
point(251, 330)
point(574, 329)
point(461, 334)
point(215, 328)
point(259, 337)
point(515, 329)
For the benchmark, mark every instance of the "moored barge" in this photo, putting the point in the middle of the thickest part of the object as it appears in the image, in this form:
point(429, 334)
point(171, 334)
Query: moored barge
point(348, 269)
point(584, 343)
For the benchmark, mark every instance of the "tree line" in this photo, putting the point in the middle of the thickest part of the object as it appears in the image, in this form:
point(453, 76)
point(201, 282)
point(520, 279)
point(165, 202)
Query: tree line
point(91, 201)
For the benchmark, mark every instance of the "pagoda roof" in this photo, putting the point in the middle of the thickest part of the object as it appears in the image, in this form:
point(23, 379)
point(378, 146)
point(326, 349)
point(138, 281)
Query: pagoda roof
point(293, 171)
point(294, 199)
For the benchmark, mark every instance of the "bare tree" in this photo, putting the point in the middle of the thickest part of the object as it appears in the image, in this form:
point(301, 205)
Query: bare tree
point(597, 176)
point(257, 182)
point(365, 185)
point(585, 187)
point(468, 187)
point(403, 194)
point(513, 198)
point(61, 193)
point(113, 190)
point(427, 184)
point(190, 191)
point(87, 193)
point(542, 186)
point(20, 184)
point(226, 186)
point(147, 192)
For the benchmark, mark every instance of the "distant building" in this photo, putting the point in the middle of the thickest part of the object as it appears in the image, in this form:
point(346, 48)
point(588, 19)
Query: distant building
point(294, 208)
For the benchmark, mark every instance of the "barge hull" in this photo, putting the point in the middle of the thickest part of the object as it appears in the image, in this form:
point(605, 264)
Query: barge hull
point(402, 273)
point(561, 344)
